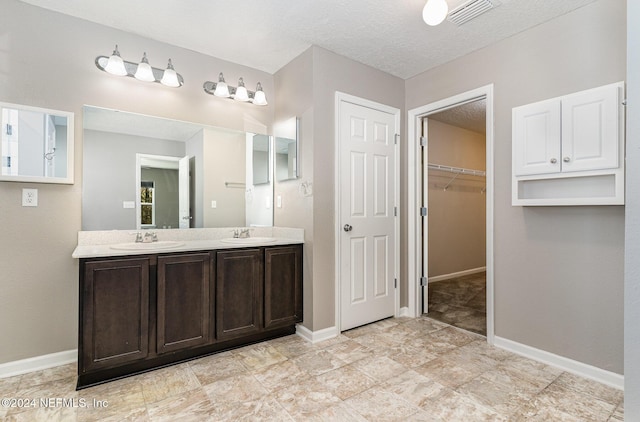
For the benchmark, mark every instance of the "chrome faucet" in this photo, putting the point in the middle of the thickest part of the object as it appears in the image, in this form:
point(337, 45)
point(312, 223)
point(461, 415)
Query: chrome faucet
point(241, 233)
point(150, 237)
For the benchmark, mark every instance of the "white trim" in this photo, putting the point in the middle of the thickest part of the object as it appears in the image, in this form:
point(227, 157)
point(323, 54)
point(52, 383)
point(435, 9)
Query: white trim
point(414, 187)
point(317, 336)
point(457, 274)
point(342, 97)
point(37, 363)
point(569, 365)
point(404, 312)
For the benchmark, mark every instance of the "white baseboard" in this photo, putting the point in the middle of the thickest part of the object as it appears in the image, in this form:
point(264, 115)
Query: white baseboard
point(404, 311)
point(457, 274)
point(37, 363)
point(569, 365)
point(317, 336)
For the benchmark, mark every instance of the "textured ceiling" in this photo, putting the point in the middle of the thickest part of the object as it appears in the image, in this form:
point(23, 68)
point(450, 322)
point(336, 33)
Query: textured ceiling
point(387, 35)
point(470, 116)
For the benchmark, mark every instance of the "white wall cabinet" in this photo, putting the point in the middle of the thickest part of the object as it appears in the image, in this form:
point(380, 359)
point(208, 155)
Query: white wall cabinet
point(570, 150)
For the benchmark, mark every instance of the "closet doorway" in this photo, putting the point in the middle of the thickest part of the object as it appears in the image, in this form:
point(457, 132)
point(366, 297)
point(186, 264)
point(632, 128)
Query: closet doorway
point(454, 180)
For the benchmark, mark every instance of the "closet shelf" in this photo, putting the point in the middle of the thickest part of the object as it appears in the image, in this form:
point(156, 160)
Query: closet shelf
point(456, 170)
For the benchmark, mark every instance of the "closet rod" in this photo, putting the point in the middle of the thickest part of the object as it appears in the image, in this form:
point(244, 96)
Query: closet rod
point(457, 170)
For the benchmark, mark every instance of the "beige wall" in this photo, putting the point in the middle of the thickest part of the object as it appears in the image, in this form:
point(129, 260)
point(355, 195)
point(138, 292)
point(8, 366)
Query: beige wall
point(457, 233)
point(38, 277)
point(306, 87)
point(558, 270)
point(632, 220)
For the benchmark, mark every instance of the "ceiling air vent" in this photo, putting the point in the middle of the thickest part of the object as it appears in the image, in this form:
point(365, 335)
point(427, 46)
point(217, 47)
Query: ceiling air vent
point(470, 10)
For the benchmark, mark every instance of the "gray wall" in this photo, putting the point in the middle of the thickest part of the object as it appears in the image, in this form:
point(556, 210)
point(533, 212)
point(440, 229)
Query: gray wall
point(39, 279)
point(457, 216)
point(558, 270)
point(109, 176)
point(632, 221)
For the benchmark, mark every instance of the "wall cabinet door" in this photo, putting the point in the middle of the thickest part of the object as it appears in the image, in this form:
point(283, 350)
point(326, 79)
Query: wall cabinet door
point(536, 135)
point(239, 275)
point(114, 313)
point(590, 130)
point(577, 132)
point(282, 286)
point(184, 311)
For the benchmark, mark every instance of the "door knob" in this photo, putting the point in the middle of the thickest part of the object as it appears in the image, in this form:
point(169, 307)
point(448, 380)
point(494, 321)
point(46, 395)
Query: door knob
point(347, 228)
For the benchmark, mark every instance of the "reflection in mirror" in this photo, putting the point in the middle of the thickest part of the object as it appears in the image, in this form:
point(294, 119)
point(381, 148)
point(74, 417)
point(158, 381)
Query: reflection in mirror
point(37, 144)
point(194, 175)
point(287, 156)
point(261, 168)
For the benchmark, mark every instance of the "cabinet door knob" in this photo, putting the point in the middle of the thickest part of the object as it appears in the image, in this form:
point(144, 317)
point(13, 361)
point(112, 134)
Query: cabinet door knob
point(566, 159)
point(347, 228)
point(553, 161)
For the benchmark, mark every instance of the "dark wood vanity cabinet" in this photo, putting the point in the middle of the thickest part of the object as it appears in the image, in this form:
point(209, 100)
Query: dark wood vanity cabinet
point(114, 327)
point(239, 282)
point(141, 312)
point(184, 303)
point(282, 287)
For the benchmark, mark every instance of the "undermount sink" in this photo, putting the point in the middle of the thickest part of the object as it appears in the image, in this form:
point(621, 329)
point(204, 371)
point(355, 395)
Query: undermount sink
point(149, 246)
point(248, 240)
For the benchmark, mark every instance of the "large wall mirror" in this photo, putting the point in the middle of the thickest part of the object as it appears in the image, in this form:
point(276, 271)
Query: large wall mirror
point(145, 172)
point(36, 145)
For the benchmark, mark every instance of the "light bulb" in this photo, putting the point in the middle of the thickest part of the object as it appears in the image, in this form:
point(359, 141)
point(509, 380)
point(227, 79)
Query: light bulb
point(144, 71)
point(241, 91)
point(115, 64)
point(222, 89)
point(170, 76)
point(259, 98)
point(435, 11)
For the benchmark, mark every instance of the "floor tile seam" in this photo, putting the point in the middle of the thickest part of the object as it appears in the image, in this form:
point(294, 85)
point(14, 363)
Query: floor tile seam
point(527, 397)
point(379, 387)
point(585, 393)
point(555, 395)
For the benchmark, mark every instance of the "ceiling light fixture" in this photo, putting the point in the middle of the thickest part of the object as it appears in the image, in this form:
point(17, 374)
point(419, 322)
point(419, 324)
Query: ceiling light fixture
point(143, 71)
point(435, 11)
point(241, 93)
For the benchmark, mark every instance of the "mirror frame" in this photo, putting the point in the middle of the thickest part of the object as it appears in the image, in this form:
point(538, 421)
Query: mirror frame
point(69, 179)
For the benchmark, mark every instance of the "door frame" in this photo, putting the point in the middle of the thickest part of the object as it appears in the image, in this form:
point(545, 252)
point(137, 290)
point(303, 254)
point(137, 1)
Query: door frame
point(343, 97)
point(415, 188)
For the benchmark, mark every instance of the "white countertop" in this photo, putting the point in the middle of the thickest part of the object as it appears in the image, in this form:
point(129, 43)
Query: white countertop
point(93, 244)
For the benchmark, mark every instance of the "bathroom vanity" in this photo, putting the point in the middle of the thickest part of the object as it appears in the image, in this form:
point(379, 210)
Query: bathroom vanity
point(147, 306)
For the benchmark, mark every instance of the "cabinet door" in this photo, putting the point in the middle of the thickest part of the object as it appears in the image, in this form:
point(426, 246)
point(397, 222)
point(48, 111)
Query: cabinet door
point(238, 293)
point(282, 286)
point(114, 316)
point(536, 138)
point(184, 305)
point(590, 138)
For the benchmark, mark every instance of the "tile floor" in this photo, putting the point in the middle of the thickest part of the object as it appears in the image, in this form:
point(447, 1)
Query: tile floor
point(461, 302)
point(399, 369)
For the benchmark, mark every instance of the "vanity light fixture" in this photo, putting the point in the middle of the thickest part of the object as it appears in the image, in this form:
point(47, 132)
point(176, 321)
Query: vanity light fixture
point(142, 71)
point(241, 93)
point(435, 11)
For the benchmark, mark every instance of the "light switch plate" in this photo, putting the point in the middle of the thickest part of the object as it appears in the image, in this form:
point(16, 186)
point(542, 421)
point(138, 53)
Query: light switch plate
point(29, 197)
point(214, 204)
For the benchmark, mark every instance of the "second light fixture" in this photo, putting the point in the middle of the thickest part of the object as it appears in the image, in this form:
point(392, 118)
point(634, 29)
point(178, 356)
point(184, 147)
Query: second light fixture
point(239, 93)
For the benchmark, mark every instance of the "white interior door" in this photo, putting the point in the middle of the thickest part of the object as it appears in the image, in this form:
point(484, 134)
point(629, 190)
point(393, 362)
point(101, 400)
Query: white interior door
point(183, 193)
point(367, 160)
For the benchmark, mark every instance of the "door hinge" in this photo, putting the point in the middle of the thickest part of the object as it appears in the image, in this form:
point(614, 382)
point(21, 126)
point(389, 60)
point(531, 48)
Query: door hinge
point(396, 138)
point(423, 141)
point(423, 281)
point(423, 211)
point(395, 211)
point(395, 283)
point(9, 129)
